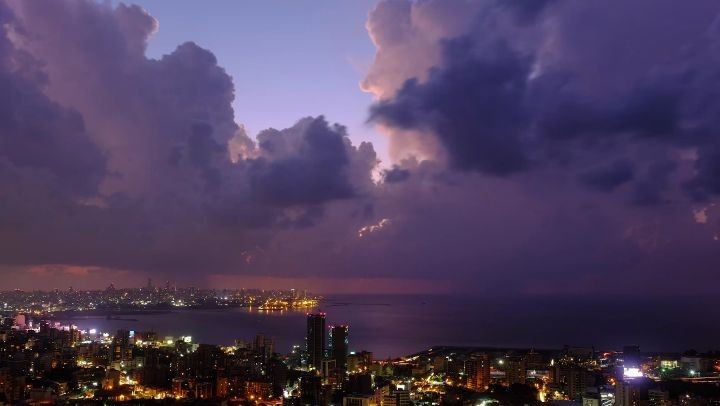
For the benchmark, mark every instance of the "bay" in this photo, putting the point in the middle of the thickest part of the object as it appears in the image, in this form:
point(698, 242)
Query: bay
point(396, 325)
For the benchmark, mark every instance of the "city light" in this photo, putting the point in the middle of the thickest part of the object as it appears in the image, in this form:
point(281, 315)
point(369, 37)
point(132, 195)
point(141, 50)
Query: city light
point(632, 373)
point(360, 202)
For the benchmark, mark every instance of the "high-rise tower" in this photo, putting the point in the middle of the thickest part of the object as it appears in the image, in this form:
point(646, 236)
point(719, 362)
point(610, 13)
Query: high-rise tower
point(315, 339)
point(339, 346)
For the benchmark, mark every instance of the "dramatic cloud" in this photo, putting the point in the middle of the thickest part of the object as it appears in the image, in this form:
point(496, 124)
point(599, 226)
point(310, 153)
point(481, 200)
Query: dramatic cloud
point(608, 177)
point(396, 174)
point(561, 100)
point(308, 164)
point(474, 106)
point(38, 137)
point(506, 95)
point(111, 159)
point(539, 146)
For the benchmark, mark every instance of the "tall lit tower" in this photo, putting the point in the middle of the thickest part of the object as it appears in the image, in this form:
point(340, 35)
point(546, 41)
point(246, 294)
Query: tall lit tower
point(477, 372)
point(315, 339)
point(339, 346)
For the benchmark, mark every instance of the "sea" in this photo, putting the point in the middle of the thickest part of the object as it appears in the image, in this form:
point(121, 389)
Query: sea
point(399, 325)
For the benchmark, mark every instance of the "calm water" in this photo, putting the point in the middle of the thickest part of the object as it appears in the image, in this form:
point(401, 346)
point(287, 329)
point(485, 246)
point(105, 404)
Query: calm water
point(399, 325)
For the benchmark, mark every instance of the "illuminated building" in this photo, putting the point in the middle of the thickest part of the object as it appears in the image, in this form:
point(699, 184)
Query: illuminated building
point(222, 387)
point(112, 380)
point(515, 371)
point(534, 360)
point(657, 397)
point(20, 321)
point(339, 346)
point(626, 394)
point(477, 372)
point(577, 380)
point(179, 387)
point(359, 400)
point(258, 389)
point(328, 369)
point(598, 396)
point(203, 390)
point(396, 396)
point(315, 339)
point(357, 361)
point(121, 350)
point(669, 363)
point(695, 363)
point(591, 400)
point(631, 362)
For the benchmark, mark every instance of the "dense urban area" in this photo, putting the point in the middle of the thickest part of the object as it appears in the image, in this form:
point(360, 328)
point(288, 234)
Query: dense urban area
point(150, 298)
point(45, 362)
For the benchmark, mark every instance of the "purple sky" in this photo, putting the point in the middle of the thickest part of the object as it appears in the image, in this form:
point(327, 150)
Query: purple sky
point(483, 147)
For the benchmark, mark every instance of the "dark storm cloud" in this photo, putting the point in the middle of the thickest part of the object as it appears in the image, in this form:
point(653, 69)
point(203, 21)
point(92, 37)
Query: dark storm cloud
point(396, 175)
point(649, 188)
point(608, 178)
point(305, 164)
point(491, 117)
point(648, 112)
point(38, 135)
point(526, 11)
point(500, 100)
point(474, 105)
point(616, 97)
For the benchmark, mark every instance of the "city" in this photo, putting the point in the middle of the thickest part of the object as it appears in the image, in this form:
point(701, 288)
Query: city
point(112, 301)
point(360, 202)
point(50, 363)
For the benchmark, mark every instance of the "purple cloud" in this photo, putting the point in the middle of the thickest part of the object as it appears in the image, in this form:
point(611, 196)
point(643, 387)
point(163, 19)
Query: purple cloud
point(560, 147)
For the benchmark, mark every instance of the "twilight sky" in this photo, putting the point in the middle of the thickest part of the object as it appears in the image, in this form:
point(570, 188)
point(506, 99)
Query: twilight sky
point(475, 146)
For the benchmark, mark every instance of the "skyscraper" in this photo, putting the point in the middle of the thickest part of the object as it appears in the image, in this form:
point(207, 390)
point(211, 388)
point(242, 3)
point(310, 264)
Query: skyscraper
point(265, 346)
point(626, 394)
point(339, 346)
point(315, 339)
point(515, 371)
point(477, 372)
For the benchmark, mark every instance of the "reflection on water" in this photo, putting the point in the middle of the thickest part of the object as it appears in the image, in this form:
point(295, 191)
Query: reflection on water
point(399, 325)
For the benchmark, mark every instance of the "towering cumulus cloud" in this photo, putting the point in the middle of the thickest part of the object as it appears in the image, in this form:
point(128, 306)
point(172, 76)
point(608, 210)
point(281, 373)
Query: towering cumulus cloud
point(514, 86)
point(538, 146)
point(599, 117)
point(111, 159)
